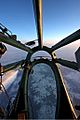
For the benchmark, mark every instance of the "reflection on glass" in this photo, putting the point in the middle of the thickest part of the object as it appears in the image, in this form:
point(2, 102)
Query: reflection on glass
point(42, 92)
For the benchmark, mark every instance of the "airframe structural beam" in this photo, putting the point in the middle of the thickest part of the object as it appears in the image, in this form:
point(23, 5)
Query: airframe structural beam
point(14, 43)
point(37, 4)
point(12, 66)
point(71, 38)
point(67, 63)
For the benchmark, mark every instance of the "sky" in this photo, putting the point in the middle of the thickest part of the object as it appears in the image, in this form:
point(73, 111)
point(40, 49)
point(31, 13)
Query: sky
point(60, 18)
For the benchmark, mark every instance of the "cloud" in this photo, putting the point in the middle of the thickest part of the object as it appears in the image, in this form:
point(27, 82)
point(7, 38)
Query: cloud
point(53, 42)
point(48, 43)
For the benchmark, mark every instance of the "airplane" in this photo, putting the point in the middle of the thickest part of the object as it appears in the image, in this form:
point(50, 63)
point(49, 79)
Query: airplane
point(20, 107)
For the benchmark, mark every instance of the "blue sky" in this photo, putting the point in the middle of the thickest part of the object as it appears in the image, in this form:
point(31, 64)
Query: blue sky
point(60, 18)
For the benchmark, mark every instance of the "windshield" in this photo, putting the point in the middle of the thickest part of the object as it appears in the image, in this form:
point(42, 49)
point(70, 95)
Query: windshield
point(60, 19)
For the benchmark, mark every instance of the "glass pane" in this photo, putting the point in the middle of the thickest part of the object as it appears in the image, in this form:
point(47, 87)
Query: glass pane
point(72, 81)
point(11, 81)
point(42, 92)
